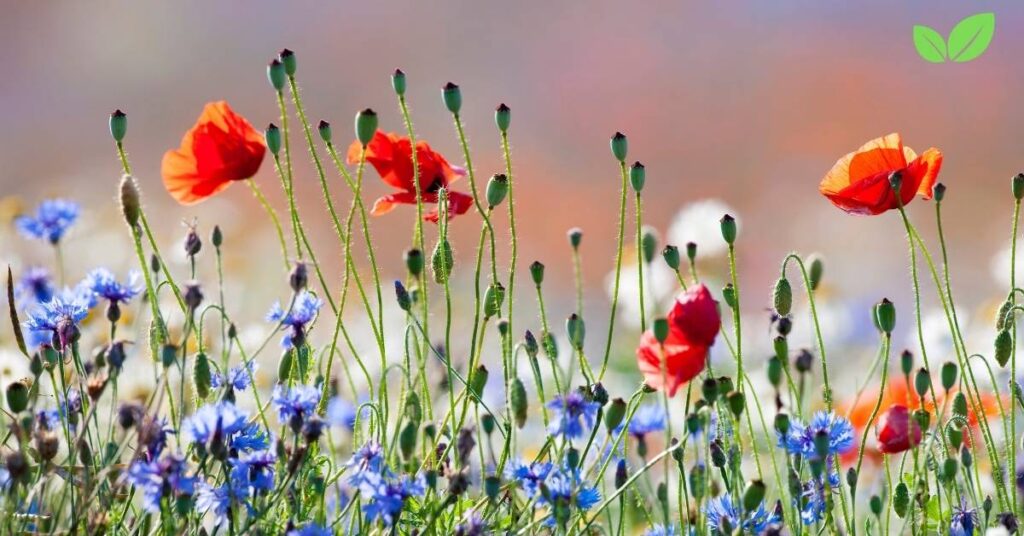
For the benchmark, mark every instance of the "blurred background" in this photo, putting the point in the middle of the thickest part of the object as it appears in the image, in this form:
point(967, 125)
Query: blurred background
point(746, 103)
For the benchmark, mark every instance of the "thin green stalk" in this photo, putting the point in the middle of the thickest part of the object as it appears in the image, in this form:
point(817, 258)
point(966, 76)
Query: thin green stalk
point(618, 268)
point(273, 218)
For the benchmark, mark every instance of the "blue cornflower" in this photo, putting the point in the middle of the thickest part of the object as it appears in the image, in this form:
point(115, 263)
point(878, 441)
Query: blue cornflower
point(723, 510)
point(387, 496)
point(574, 414)
point(472, 525)
point(800, 439)
point(59, 318)
point(255, 470)
point(220, 498)
point(238, 378)
point(295, 404)
point(311, 529)
point(648, 418)
point(369, 459)
point(251, 438)
point(303, 310)
point(564, 487)
point(104, 285)
point(35, 286)
point(661, 530)
point(813, 501)
point(964, 520)
point(224, 425)
point(48, 419)
point(341, 413)
point(71, 405)
point(159, 477)
point(529, 476)
point(52, 219)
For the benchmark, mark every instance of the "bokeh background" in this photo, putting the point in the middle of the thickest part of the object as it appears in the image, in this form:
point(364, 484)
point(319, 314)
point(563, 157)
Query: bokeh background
point(749, 103)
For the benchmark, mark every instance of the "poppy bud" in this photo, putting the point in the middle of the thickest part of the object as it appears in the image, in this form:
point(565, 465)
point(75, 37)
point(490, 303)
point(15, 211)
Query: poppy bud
point(537, 272)
point(948, 374)
point(875, 503)
point(272, 135)
point(442, 261)
point(366, 126)
point(851, 478)
point(201, 375)
point(637, 176)
point(502, 117)
point(404, 300)
point(168, 355)
point(955, 435)
point(753, 495)
point(671, 256)
point(728, 224)
point(691, 251)
point(407, 440)
point(131, 206)
point(803, 361)
point(217, 237)
point(960, 405)
point(287, 57)
point(324, 128)
point(478, 381)
point(452, 97)
point(17, 395)
point(616, 412)
point(398, 82)
point(774, 371)
point(118, 125)
point(1017, 185)
point(547, 340)
point(729, 295)
point(276, 75)
point(1003, 347)
point(986, 505)
point(621, 476)
point(530, 344)
point(737, 402)
point(494, 296)
point(815, 271)
point(922, 382)
point(518, 399)
point(781, 345)
point(697, 481)
point(939, 192)
point(966, 459)
point(923, 418)
point(660, 329)
point(725, 384)
point(782, 423)
point(576, 329)
point(503, 328)
point(599, 394)
point(413, 408)
point(299, 277)
point(575, 237)
point(154, 263)
point(649, 244)
point(906, 362)
point(783, 296)
point(709, 390)
point(620, 146)
point(497, 188)
point(718, 458)
point(885, 316)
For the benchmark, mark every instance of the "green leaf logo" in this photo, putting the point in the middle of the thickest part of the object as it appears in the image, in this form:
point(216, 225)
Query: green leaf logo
point(968, 40)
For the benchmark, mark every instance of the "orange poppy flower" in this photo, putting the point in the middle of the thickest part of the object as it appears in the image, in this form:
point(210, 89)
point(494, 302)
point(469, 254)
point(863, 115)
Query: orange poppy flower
point(391, 155)
point(859, 182)
point(682, 360)
point(220, 148)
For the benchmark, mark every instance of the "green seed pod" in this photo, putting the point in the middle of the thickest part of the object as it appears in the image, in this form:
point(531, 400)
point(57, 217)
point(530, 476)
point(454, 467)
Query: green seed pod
point(18, 395)
point(960, 405)
point(783, 297)
point(502, 117)
point(966, 459)
point(737, 402)
point(201, 375)
point(576, 329)
point(923, 418)
point(876, 505)
point(272, 135)
point(709, 390)
point(442, 261)
point(276, 75)
point(637, 176)
point(753, 495)
point(901, 500)
point(729, 295)
point(1003, 347)
point(324, 128)
point(660, 329)
point(366, 126)
point(906, 362)
point(922, 382)
point(537, 272)
point(728, 224)
point(885, 316)
point(398, 82)
point(575, 237)
point(939, 192)
point(478, 381)
point(402, 295)
point(519, 403)
point(948, 374)
point(284, 366)
point(616, 412)
point(413, 261)
point(168, 355)
point(949, 468)
point(497, 189)
point(452, 96)
point(671, 256)
point(725, 384)
point(487, 423)
point(407, 440)
point(697, 478)
point(816, 270)
point(1017, 186)
point(774, 371)
point(649, 244)
point(620, 146)
point(781, 345)
point(494, 296)
point(287, 57)
point(782, 423)
point(118, 125)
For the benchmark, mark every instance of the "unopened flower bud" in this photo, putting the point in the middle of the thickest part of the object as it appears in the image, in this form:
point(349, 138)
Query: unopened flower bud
point(131, 205)
point(922, 382)
point(803, 361)
point(201, 375)
point(960, 405)
point(782, 423)
point(774, 370)
point(497, 188)
point(502, 117)
point(660, 329)
point(452, 97)
point(324, 129)
point(616, 412)
point(691, 251)
point(519, 403)
point(885, 316)
point(575, 237)
point(728, 224)
point(729, 295)
point(402, 295)
point(737, 402)
point(272, 135)
point(948, 374)
point(783, 297)
point(939, 192)
point(287, 57)
point(407, 440)
point(637, 176)
point(537, 272)
point(193, 295)
point(621, 474)
point(18, 394)
point(398, 82)
point(620, 146)
point(276, 75)
point(1003, 347)
point(709, 390)
point(576, 329)
point(366, 126)
point(1017, 185)
point(118, 125)
point(217, 237)
point(413, 262)
point(299, 277)
point(816, 271)
point(906, 362)
point(442, 261)
point(530, 344)
point(477, 381)
point(649, 244)
point(671, 256)
point(753, 495)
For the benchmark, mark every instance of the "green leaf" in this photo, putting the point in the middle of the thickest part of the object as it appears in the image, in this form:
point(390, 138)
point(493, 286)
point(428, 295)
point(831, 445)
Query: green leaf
point(971, 37)
point(930, 44)
point(15, 323)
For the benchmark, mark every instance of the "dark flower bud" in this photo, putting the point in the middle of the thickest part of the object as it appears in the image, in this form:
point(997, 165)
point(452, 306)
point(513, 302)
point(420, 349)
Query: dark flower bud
point(620, 146)
point(113, 312)
point(519, 402)
point(530, 344)
point(299, 277)
point(287, 57)
point(816, 270)
point(452, 97)
point(272, 135)
point(497, 189)
point(537, 272)
point(621, 474)
point(774, 371)
point(18, 394)
point(572, 457)
point(822, 443)
point(718, 458)
point(313, 428)
point(663, 494)
point(47, 443)
point(404, 300)
point(599, 394)
point(737, 402)
point(216, 237)
point(729, 295)
point(939, 192)
point(875, 503)
point(896, 181)
point(118, 125)
point(803, 361)
point(324, 129)
point(129, 414)
point(709, 390)
point(1017, 186)
point(728, 224)
point(276, 75)
point(492, 486)
point(1007, 520)
point(753, 495)
point(154, 263)
point(885, 316)
point(576, 329)
point(1003, 347)
point(575, 237)
point(616, 412)
point(637, 176)
point(783, 297)
point(168, 355)
point(503, 327)
point(784, 326)
point(193, 295)
point(494, 296)
point(502, 117)
point(487, 423)
point(906, 362)
point(691, 251)
point(948, 374)
point(413, 261)
point(922, 382)
point(192, 242)
point(782, 423)
point(966, 459)
point(201, 375)
point(398, 82)
point(131, 204)
point(366, 126)
point(671, 256)
point(851, 478)
point(660, 329)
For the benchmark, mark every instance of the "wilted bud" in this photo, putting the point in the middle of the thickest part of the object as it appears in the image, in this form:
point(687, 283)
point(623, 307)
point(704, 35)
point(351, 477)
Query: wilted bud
point(366, 126)
point(494, 296)
point(324, 128)
point(519, 403)
point(637, 176)
point(299, 277)
point(18, 394)
point(201, 375)
point(1003, 347)
point(948, 374)
point(922, 382)
point(287, 57)
point(47, 443)
point(497, 189)
point(442, 261)
point(783, 297)
point(616, 412)
point(576, 329)
point(402, 295)
point(452, 96)
point(276, 75)
point(398, 82)
point(537, 272)
point(620, 146)
point(728, 224)
point(131, 205)
point(118, 125)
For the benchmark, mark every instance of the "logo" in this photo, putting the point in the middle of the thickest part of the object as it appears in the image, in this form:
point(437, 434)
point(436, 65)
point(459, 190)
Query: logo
point(967, 40)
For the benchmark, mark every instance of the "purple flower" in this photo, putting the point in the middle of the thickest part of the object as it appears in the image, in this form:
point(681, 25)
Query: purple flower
point(159, 478)
point(661, 530)
point(238, 378)
point(303, 310)
point(565, 487)
point(800, 439)
point(255, 470)
point(963, 520)
point(648, 418)
point(104, 285)
point(221, 425)
point(35, 286)
point(528, 476)
point(311, 529)
point(472, 525)
point(294, 405)
point(723, 511)
point(341, 413)
point(52, 219)
point(386, 496)
point(368, 459)
point(218, 499)
point(574, 414)
point(58, 318)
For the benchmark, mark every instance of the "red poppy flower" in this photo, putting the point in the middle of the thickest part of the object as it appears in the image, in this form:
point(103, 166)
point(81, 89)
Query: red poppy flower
point(391, 155)
point(695, 314)
point(220, 148)
point(859, 182)
point(682, 360)
point(897, 431)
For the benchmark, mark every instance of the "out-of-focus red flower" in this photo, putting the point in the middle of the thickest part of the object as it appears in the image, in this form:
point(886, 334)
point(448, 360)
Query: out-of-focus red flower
point(859, 182)
point(391, 155)
point(682, 360)
point(222, 147)
point(695, 314)
point(897, 431)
